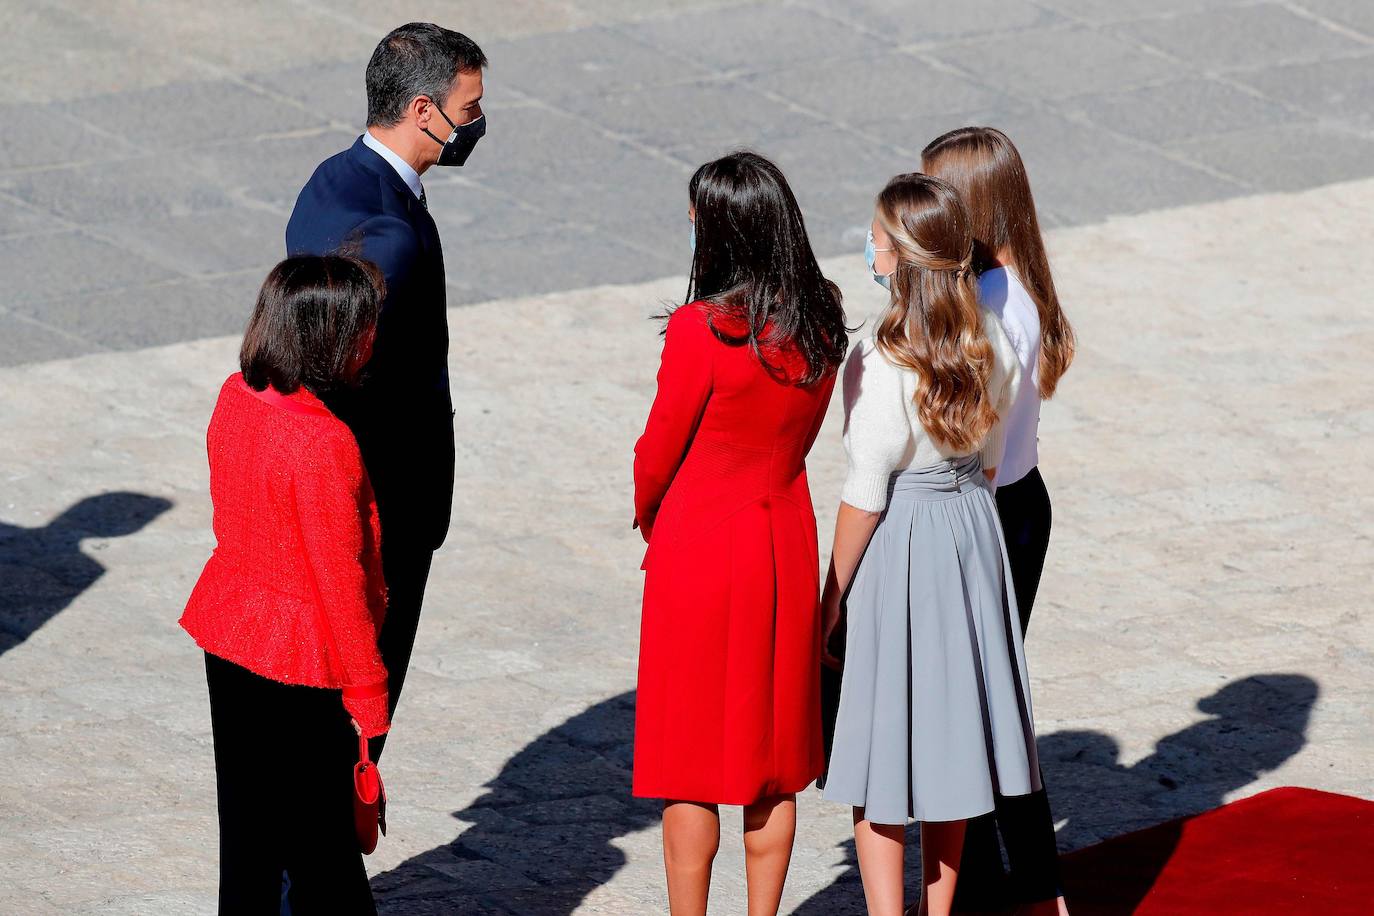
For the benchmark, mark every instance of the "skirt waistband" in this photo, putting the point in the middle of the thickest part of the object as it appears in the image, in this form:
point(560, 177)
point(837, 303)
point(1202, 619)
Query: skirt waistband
point(939, 481)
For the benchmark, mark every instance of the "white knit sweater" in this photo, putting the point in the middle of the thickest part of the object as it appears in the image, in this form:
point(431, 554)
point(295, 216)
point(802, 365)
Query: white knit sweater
point(882, 434)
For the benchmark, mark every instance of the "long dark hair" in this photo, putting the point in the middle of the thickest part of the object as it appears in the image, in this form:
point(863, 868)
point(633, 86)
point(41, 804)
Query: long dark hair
point(983, 165)
point(754, 266)
point(313, 325)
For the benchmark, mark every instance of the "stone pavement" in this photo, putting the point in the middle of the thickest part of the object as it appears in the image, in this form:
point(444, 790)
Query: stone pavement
point(152, 149)
point(1203, 632)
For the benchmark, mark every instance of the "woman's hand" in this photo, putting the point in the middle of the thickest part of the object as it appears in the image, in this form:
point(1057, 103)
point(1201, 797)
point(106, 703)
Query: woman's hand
point(853, 529)
point(831, 612)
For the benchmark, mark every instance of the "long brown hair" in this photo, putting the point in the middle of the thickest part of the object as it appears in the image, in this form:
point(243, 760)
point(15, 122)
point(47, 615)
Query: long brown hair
point(933, 325)
point(983, 164)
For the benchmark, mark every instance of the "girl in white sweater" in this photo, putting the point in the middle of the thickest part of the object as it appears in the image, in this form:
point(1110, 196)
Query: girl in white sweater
point(934, 718)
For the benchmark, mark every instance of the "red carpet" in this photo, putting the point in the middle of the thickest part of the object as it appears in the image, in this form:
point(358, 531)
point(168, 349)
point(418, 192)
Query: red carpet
point(1290, 851)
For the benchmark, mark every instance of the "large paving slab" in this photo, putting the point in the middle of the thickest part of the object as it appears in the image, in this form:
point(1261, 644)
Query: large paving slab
point(157, 143)
point(1203, 632)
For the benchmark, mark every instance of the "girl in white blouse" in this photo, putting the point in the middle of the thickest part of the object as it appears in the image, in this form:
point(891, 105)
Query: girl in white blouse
point(934, 716)
point(1015, 282)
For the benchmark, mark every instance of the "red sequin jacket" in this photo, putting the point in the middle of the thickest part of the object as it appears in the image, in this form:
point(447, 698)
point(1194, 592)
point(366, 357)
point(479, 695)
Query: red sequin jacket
point(294, 589)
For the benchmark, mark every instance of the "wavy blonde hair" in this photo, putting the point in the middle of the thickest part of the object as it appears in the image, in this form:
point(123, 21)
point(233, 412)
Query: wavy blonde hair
point(983, 165)
point(933, 325)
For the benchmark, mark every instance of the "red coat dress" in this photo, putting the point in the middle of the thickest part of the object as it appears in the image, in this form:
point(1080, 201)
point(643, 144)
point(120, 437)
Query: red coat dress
point(294, 589)
point(728, 708)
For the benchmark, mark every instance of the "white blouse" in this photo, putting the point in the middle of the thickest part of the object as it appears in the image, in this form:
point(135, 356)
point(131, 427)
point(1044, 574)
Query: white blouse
point(882, 434)
point(1000, 292)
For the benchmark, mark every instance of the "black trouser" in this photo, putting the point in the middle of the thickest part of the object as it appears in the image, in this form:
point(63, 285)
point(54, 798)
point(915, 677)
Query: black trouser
point(406, 570)
point(284, 760)
point(1025, 821)
point(1024, 508)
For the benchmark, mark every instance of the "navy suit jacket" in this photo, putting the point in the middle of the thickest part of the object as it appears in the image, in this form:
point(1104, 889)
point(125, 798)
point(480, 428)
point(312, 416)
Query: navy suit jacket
point(402, 415)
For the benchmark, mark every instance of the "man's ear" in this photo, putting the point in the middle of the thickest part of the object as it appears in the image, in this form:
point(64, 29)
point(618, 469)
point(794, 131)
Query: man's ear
point(421, 109)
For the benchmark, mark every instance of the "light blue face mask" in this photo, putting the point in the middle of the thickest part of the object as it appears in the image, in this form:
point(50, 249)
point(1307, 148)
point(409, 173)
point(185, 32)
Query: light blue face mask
point(871, 256)
point(694, 235)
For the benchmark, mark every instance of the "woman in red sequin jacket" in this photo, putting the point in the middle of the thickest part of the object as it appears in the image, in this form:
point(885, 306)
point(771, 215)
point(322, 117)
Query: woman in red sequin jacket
point(292, 599)
point(294, 589)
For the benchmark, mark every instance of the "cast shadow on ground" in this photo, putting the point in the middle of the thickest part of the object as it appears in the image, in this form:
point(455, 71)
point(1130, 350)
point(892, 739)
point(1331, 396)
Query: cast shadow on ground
point(1255, 724)
point(541, 838)
point(44, 569)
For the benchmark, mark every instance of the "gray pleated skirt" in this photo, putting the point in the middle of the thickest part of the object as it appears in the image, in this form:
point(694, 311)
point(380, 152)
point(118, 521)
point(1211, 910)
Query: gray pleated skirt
point(935, 712)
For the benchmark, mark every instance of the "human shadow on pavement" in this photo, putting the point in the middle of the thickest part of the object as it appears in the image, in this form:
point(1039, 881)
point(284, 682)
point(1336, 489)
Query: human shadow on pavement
point(540, 839)
point(1254, 725)
point(44, 569)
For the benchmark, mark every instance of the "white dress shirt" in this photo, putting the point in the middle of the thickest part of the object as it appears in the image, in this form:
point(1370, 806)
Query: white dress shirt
point(408, 174)
point(1000, 292)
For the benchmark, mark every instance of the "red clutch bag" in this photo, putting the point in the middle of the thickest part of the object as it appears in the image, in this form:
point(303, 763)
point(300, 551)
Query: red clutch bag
point(369, 800)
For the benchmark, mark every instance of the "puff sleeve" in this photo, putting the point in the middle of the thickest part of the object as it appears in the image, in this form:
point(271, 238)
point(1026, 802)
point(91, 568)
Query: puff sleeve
point(877, 430)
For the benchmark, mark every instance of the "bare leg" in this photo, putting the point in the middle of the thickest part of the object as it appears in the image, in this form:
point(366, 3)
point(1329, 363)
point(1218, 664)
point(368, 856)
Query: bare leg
point(942, 842)
point(691, 836)
point(770, 824)
point(880, 852)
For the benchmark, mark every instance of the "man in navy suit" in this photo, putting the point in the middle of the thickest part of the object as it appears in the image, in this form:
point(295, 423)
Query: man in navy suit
point(424, 94)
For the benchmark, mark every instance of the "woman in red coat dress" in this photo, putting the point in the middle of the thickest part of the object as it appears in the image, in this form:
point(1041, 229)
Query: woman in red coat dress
point(288, 607)
point(728, 708)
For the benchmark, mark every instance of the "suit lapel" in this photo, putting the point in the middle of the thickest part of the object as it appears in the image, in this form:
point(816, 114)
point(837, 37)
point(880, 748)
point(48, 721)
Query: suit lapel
point(419, 217)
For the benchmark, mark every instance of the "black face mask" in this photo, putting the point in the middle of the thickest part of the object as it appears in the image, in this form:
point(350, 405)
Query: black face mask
point(459, 143)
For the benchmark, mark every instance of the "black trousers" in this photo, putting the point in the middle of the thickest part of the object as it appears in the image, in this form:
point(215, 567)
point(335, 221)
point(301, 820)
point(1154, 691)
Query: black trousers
point(1025, 822)
point(406, 570)
point(284, 760)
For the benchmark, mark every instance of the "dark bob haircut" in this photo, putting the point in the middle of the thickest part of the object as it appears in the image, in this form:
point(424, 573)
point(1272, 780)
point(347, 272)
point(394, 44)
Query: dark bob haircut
point(418, 58)
point(753, 262)
point(313, 325)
